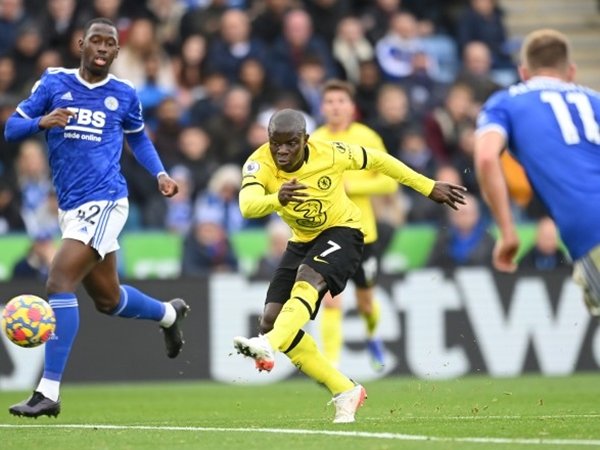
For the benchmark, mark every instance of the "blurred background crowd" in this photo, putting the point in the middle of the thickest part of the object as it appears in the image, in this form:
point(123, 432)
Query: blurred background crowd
point(210, 74)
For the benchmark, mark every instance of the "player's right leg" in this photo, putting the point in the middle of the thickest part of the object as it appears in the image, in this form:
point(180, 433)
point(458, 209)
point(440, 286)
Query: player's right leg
point(71, 263)
point(110, 297)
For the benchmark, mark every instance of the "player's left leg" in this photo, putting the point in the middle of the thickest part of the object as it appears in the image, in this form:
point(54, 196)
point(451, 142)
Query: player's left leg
point(110, 297)
point(368, 306)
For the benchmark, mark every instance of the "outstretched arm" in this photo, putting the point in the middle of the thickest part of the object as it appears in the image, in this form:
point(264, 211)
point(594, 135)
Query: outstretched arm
point(146, 155)
point(488, 147)
point(438, 191)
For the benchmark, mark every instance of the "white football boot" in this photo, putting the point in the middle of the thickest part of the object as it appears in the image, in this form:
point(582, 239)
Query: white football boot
point(258, 348)
point(347, 403)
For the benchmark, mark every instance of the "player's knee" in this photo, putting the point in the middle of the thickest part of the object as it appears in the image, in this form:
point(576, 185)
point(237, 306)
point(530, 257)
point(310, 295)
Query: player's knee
point(57, 283)
point(311, 276)
point(105, 305)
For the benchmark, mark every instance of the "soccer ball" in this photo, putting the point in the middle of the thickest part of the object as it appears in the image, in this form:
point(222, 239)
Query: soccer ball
point(28, 320)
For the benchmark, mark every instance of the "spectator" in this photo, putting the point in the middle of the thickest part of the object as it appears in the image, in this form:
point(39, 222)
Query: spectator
point(546, 254)
point(367, 89)
point(296, 42)
point(376, 17)
point(392, 115)
point(8, 75)
point(195, 152)
point(111, 9)
point(311, 77)
point(254, 78)
point(476, 71)
point(28, 47)
point(12, 17)
point(268, 23)
point(38, 203)
point(208, 99)
point(173, 214)
point(59, 21)
point(207, 249)
point(220, 202)
point(483, 21)
point(278, 234)
point(35, 264)
point(141, 41)
point(234, 45)
point(151, 93)
point(424, 93)
point(190, 69)
point(326, 15)
point(166, 129)
point(464, 241)
point(413, 152)
point(351, 48)
point(203, 19)
point(395, 51)
point(10, 209)
point(444, 123)
point(228, 130)
point(167, 15)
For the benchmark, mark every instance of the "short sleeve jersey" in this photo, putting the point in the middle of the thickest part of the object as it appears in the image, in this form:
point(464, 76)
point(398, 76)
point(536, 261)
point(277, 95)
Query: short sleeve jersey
point(551, 127)
point(84, 156)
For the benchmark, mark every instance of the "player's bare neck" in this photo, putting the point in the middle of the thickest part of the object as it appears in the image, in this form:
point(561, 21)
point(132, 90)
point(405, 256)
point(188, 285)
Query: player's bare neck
point(90, 77)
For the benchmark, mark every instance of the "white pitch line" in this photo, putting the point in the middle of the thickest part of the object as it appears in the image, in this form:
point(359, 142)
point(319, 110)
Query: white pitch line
point(362, 434)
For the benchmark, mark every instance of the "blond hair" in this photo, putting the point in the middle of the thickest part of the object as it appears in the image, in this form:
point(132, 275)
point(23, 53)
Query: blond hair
point(545, 49)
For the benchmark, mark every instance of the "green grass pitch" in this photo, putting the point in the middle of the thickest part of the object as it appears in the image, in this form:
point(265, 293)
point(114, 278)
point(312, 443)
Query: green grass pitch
point(472, 413)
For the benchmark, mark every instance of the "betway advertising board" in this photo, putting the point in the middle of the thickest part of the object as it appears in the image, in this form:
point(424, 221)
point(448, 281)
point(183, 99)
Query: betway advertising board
point(435, 325)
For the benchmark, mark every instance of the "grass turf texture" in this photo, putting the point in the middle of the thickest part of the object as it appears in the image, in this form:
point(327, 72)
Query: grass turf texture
point(401, 413)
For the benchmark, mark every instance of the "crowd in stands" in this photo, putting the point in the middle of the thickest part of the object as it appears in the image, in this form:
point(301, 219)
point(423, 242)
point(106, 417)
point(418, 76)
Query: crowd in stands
point(210, 73)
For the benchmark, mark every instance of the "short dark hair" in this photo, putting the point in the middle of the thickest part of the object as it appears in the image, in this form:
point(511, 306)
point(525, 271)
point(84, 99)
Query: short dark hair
point(339, 85)
point(102, 20)
point(288, 119)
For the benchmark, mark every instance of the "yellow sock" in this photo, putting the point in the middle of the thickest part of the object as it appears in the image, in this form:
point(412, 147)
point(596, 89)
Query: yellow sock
point(331, 334)
point(294, 314)
point(308, 359)
point(372, 319)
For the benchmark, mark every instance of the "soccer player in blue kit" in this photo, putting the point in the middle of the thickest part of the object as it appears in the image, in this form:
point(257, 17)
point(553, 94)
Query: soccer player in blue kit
point(550, 125)
point(84, 113)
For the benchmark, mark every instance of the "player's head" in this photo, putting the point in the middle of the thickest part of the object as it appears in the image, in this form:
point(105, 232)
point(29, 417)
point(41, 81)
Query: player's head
point(337, 104)
point(99, 46)
point(287, 139)
point(546, 52)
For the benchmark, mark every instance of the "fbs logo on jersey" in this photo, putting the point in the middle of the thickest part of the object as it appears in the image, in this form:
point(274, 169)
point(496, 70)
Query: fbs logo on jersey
point(85, 125)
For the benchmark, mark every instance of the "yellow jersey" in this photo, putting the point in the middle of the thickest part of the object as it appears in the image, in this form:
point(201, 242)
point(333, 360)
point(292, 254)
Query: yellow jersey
point(361, 185)
point(327, 204)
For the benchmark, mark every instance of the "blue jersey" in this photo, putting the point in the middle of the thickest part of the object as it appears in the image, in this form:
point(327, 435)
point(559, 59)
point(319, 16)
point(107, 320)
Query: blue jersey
point(84, 156)
point(551, 128)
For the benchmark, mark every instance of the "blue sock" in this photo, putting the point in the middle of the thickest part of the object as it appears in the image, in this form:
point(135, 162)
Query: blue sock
point(58, 348)
point(136, 304)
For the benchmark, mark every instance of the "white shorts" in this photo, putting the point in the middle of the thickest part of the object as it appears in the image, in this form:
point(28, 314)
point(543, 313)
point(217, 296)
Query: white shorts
point(97, 223)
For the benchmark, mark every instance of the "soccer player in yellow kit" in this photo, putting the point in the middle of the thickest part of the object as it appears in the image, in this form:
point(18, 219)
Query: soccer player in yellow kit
point(302, 180)
point(338, 108)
